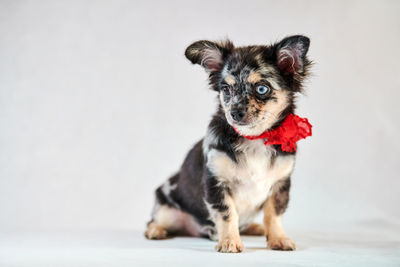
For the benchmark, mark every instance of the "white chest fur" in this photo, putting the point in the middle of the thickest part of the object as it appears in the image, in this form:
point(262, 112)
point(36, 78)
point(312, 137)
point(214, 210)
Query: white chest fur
point(251, 178)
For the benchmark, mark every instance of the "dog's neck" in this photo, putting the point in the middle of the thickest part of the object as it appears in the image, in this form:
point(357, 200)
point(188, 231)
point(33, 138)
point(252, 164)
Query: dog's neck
point(263, 126)
point(292, 129)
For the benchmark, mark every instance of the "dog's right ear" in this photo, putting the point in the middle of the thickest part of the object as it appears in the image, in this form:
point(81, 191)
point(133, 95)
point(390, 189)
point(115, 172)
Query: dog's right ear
point(208, 54)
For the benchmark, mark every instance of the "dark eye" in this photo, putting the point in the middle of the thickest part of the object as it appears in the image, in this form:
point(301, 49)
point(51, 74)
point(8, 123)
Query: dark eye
point(226, 90)
point(262, 90)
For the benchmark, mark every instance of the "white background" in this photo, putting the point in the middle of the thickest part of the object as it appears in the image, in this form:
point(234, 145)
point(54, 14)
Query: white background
point(98, 106)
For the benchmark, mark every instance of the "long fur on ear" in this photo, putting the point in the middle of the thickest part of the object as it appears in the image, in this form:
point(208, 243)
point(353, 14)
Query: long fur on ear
point(291, 54)
point(209, 54)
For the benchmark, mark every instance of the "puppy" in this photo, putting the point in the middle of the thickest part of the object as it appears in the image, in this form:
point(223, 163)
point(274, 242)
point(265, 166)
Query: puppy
point(233, 173)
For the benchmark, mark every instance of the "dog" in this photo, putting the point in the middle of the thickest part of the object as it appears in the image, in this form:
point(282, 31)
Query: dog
point(230, 175)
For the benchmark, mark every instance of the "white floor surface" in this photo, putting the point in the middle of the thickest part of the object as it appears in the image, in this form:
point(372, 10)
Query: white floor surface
point(361, 246)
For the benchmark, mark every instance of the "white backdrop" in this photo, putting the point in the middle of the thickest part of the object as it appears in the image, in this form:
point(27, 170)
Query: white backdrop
point(98, 106)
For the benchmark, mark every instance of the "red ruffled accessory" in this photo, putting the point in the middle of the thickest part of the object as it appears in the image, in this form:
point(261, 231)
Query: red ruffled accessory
point(292, 129)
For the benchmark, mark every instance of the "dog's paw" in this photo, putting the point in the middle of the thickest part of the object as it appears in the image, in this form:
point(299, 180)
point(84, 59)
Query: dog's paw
point(230, 245)
point(281, 243)
point(155, 232)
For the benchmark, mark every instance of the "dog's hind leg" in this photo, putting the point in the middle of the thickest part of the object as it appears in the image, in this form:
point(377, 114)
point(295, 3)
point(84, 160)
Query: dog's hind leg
point(253, 229)
point(167, 218)
point(168, 221)
point(165, 221)
point(155, 231)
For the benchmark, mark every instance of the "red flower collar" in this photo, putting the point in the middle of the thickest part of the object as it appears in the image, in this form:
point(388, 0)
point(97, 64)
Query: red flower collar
point(292, 129)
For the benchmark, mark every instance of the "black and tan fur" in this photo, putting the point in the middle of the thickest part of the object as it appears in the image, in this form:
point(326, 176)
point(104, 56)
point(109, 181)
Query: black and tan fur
point(226, 179)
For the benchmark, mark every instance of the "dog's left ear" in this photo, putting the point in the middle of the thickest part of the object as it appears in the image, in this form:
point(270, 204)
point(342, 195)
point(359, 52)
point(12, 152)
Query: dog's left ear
point(209, 54)
point(291, 54)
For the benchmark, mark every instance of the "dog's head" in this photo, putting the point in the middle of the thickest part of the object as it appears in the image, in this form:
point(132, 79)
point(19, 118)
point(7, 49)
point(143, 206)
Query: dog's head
point(256, 84)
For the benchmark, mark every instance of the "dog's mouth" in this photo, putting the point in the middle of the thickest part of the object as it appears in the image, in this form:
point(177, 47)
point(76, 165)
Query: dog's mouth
point(247, 123)
point(241, 123)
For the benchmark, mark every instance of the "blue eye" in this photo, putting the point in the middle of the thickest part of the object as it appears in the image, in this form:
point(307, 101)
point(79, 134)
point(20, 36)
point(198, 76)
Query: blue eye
point(262, 90)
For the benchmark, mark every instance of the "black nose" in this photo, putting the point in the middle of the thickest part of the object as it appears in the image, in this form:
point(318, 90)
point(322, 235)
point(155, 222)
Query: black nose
point(237, 114)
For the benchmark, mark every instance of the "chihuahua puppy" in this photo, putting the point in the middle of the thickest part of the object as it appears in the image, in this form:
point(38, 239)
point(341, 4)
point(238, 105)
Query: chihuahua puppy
point(227, 179)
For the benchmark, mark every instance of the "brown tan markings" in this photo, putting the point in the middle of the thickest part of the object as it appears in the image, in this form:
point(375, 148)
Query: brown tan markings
point(229, 79)
point(253, 229)
point(275, 233)
point(267, 113)
point(155, 231)
point(269, 72)
point(274, 107)
point(254, 77)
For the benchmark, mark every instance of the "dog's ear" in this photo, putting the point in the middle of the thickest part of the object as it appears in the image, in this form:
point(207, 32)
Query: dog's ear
point(291, 54)
point(208, 54)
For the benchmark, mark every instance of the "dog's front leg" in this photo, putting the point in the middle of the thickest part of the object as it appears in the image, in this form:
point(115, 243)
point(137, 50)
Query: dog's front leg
point(228, 229)
point(224, 216)
point(274, 207)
